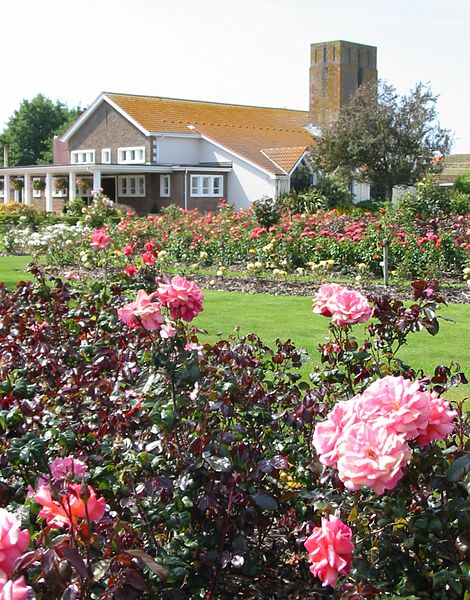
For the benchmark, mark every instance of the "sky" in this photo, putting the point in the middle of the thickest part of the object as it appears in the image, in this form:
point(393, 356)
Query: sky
point(253, 52)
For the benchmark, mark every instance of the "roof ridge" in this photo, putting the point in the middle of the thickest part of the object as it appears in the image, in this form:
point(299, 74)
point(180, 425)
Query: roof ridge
point(205, 102)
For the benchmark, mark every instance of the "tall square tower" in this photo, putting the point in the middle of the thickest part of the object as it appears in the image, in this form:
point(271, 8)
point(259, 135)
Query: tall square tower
point(337, 69)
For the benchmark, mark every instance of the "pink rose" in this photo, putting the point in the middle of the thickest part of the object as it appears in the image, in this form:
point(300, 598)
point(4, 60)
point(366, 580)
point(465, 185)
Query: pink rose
point(329, 432)
point(99, 239)
point(13, 542)
point(143, 312)
point(396, 403)
point(330, 550)
point(148, 258)
point(131, 270)
point(349, 307)
point(68, 467)
point(80, 502)
point(182, 297)
point(14, 590)
point(322, 298)
point(440, 420)
point(371, 456)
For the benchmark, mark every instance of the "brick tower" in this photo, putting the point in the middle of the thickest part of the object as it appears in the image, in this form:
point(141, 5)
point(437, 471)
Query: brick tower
point(337, 69)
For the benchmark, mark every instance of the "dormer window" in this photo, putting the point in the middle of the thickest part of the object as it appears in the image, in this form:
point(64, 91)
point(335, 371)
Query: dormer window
point(82, 157)
point(133, 155)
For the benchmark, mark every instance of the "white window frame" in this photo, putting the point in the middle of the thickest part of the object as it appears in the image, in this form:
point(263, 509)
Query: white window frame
point(165, 186)
point(131, 186)
point(82, 157)
point(131, 155)
point(106, 156)
point(203, 186)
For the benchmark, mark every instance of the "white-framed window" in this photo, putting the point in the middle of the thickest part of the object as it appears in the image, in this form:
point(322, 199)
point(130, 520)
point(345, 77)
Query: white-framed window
point(37, 191)
point(82, 157)
point(132, 155)
point(165, 189)
point(106, 155)
point(132, 186)
point(207, 185)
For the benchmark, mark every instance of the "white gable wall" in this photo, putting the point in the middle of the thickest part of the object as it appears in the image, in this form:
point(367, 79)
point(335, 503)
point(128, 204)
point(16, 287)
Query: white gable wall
point(178, 150)
point(246, 183)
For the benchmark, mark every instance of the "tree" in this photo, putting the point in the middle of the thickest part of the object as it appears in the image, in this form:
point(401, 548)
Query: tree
point(384, 138)
point(30, 131)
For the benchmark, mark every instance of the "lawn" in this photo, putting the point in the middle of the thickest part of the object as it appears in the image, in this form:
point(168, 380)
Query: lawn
point(291, 317)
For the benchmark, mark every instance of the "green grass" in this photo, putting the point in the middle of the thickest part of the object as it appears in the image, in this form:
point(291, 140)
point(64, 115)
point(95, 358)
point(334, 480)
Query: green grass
point(12, 269)
point(291, 317)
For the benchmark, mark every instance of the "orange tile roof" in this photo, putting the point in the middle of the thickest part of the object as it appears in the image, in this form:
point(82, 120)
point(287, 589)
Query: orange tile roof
point(272, 138)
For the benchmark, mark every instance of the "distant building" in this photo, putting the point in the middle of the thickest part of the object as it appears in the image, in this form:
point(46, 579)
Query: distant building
point(149, 151)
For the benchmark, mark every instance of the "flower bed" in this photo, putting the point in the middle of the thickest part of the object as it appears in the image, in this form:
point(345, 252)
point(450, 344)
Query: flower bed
point(139, 462)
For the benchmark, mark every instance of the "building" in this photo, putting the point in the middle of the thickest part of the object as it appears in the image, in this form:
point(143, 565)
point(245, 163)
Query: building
point(148, 152)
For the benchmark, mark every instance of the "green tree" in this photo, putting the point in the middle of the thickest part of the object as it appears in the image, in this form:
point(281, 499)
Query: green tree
point(31, 129)
point(384, 138)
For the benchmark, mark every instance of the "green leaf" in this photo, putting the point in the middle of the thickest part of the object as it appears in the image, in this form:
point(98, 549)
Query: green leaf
point(264, 501)
point(221, 464)
point(459, 468)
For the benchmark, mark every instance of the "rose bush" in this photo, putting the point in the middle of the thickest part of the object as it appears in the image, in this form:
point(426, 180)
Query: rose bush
point(149, 465)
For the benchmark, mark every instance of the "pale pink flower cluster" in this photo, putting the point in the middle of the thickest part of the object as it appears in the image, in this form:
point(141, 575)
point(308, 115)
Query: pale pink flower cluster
point(143, 312)
point(13, 543)
point(182, 297)
point(330, 550)
point(344, 306)
point(365, 438)
point(68, 468)
point(100, 239)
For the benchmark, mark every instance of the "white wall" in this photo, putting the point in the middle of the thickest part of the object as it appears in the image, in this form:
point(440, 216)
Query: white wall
point(245, 182)
point(361, 191)
point(178, 150)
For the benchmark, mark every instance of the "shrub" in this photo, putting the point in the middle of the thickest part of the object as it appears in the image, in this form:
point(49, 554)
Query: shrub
point(462, 183)
point(165, 467)
point(266, 211)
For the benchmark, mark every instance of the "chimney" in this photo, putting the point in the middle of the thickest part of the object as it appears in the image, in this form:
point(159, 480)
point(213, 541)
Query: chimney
point(337, 69)
point(6, 155)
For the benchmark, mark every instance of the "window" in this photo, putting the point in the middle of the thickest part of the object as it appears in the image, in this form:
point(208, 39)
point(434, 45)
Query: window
point(59, 187)
point(38, 184)
point(131, 155)
point(106, 155)
point(82, 157)
point(207, 185)
point(132, 186)
point(164, 185)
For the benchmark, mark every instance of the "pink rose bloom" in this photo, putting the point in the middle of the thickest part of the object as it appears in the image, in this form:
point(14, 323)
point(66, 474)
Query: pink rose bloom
point(13, 542)
point(322, 298)
point(68, 467)
point(330, 550)
point(100, 239)
point(328, 432)
point(131, 270)
point(143, 312)
point(129, 249)
point(440, 420)
point(70, 508)
point(349, 307)
point(182, 297)
point(370, 456)
point(148, 258)
point(396, 403)
point(167, 331)
point(14, 590)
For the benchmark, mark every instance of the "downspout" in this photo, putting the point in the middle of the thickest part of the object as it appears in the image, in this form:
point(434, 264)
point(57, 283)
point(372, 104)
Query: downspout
point(186, 189)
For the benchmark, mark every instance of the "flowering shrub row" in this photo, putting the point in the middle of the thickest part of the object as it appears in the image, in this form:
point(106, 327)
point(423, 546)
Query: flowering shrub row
point(300, 243)
point(137, 461)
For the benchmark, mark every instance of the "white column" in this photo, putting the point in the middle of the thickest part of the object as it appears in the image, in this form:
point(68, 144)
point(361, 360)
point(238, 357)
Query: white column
point(27, 188)
point(48, 191)
point(16, 195)
point(72, 186)
point(96, 180)
point(6, 189)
